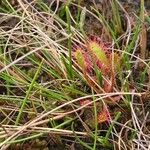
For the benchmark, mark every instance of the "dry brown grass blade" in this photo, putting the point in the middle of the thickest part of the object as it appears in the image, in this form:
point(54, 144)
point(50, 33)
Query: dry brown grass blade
point(143, 34)
point(143, 42)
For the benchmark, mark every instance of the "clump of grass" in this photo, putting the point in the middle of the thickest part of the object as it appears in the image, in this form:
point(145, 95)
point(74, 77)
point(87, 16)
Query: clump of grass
point(47, 88)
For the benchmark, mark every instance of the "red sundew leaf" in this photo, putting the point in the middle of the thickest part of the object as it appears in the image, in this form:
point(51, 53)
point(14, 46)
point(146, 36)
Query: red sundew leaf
point(89, 64)
point(116, 98)
point(104, 116)
point(79, 57)
point(83, 60)
point(84, 102)
point(105, 59)
point(100, 54)
point(99, 41)
point(107, 86)
point(105, 69)
point(98, 51)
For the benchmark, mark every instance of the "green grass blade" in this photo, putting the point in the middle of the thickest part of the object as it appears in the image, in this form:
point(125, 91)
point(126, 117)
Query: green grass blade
point(28, 94)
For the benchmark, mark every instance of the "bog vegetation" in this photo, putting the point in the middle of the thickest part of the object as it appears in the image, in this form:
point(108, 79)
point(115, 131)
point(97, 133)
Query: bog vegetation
point(74, 75)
